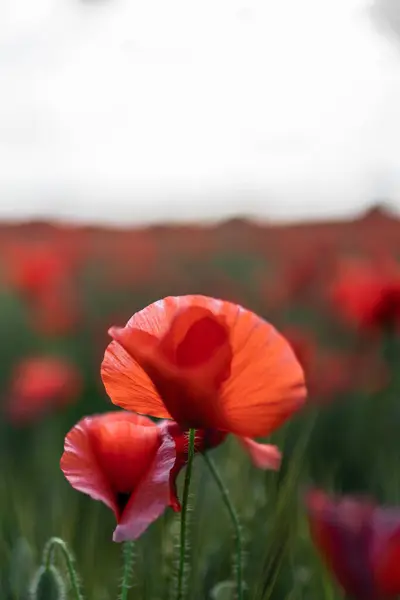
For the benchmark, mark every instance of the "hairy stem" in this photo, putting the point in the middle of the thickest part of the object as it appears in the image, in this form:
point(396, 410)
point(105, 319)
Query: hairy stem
point(128, 552)
point(48, 554)
point(235, 522)
point(184, 513)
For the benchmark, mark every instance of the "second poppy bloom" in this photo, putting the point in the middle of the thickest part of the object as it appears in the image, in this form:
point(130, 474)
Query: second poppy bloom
point(124, 460)
point(206, 363)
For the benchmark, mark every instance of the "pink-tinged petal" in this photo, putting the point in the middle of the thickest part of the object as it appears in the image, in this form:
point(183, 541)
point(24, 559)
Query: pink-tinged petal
point(81, 468)
point(125, 445)
point(264, 456)
point(151, 498)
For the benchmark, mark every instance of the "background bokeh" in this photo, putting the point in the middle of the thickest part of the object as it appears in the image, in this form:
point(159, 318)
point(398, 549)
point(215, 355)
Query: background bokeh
point(63, 286)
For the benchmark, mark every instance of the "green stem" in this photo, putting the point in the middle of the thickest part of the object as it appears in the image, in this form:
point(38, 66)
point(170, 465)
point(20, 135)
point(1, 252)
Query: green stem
point(235, 522)
point(128, 551)
point(48, 552)
point(185, 503)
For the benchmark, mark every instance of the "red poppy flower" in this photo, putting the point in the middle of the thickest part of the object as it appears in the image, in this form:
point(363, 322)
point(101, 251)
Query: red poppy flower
point(360, 543)
point(368, 293)
point(206, 363)
point(131, 464)
point(39, 384)
point(124, 460)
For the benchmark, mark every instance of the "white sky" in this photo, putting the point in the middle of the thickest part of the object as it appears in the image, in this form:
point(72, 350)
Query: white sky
point(141, 110)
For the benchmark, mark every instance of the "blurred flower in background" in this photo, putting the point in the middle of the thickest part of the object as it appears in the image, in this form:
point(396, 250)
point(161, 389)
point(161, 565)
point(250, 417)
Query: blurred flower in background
point(367, 293)
point(360, 543)
point(42, 273)
point(39, 385)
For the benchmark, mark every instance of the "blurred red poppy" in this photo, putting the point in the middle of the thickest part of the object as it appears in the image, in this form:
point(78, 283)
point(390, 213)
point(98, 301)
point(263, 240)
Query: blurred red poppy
point(206, 363)
point(328, 373)
point(55, 311)
point(34, 267)
point(131, 464)
point(40, 384)
point(360, 542)
point(42, 273)
point(367, 293)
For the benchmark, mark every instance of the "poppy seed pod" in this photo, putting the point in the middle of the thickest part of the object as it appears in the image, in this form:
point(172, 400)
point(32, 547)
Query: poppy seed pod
point(47, 584)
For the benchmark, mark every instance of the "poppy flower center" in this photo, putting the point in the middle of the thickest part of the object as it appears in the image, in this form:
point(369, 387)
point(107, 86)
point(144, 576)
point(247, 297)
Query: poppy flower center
point(125, 452)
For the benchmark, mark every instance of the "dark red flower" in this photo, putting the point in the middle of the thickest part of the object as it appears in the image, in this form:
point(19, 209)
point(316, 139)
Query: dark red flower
point(206, 363)
point(367, 293)
point(39, 384)
point(360, 542)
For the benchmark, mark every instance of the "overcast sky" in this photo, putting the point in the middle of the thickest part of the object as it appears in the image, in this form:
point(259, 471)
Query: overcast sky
point(137, 111)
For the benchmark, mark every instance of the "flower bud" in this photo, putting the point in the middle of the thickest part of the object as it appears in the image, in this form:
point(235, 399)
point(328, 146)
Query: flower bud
point(47, 584)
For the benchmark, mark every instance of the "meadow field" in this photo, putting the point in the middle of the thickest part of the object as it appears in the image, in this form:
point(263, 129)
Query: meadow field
point(331, 289)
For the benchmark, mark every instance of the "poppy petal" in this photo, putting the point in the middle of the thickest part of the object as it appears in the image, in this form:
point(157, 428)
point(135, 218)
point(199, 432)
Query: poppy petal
point(264, 387)
point(264, 456)
point(108, 454)
point(153, 495)
point(126, 382)
point(188, 393)
point(193, 337)
point(124, 445)
point(267, 384)
point(81, 468)
point(128, 385)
